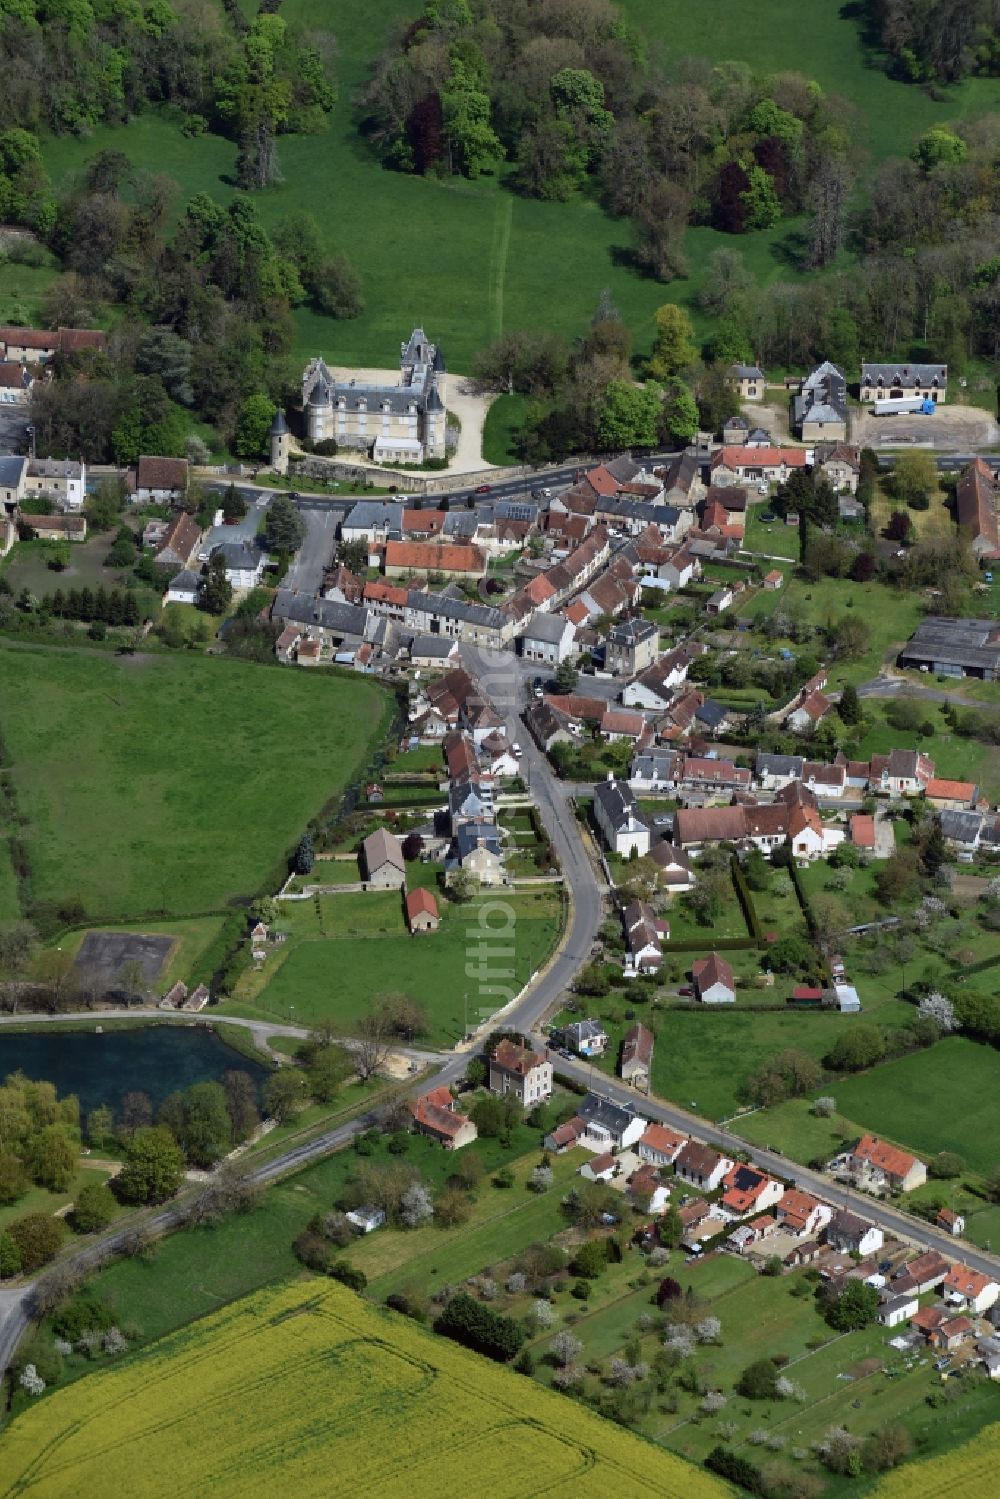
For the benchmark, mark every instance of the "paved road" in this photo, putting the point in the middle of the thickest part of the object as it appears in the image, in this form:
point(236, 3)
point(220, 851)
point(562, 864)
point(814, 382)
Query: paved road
point(316, 552)
point(898, 687)
point(688, 1121)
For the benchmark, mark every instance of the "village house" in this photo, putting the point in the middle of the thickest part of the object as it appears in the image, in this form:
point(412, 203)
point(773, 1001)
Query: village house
point(57, 527)
point(874, 1165)
point(952, 796)
point(547, 638)
point(382, 855)
point(720, 601)
point(587, 1038)
point(977, 509)
point(476, 847)
point(655, 687)
point(673, 867)
point(943, 1331)
point(921, 1274)
point(521, 1072)
point(608, 1125)
point(682, 484)
point(819, 410)
point(952, 1223)
point(753, 465)
point(701, 1166)
point(403, 558)
point(903, 382)
point(13, 473)
point(800, 1213)
point(734, 431)
point(40, 346)
point(713, 980)
point(435, 1114)
point(617, 724)
point(659, 1145)
point(62, 479)
point(399, 423)
point(616, 813)
point(647, 1193)
point(895, 1309)
point(840, 465)
point(244, 564)
point(430, 652)
point(644, 932)
point(180, 542)
point(601, 1168)
point(16, 381)
point(853, 1235)
point(970, 1289)
point(809, 711)
point(159, 481)
point(773, 580)
point(636, 1059)
point(422, 911)
point(746, 1191)
point(183, 588)
point(631, 646)
point(748, 380)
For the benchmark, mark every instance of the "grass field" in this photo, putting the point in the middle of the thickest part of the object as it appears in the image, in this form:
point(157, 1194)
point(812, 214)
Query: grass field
point(504, 420)
point(955, 757)
point(192, 940)
point(26, 566)
point(934, 522)
point(40, 1200)
point(468, 259)
point(770, 538)
point(914, 1100)
point(350, 1389)
point(22, 291)
point(344, 950)
point(154, 784)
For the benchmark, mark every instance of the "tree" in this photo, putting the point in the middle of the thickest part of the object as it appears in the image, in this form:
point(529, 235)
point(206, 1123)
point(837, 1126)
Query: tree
point(900, 526)
point(759, 1379)
point(566, 676)
point(252, 438)
point(13, 1178)
point(855, 1307)
point(680, 413)
point(93, 1209)
point(403, 1017)
point(18, 947)
point(284, 528)
point(886, 1448)
point(898, 877)
point(630, 416)
point(674, 348)
point(373, 1045)
point(305, 855)
point(153, 1168)
point(935, 1006)
point(207, 1132)
point(53, 1158)
point(36, 1239)
point(328, 1067)
point(284, 1094)
point(862, 1046)
point(241, 1101)
point(849, 707)
point(416, 1208)
point(591, 1259)
point(915, 479)
point(413, 847)
point(945, 1165)
point(137, 1112)
point(565, 1348)
point(462, 886)
point(215, 592)
point(670, 1229)
point(668, 1290)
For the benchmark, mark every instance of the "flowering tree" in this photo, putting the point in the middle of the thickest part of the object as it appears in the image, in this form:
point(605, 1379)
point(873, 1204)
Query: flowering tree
point(416, 1208)
point(937, 1007)
point(565, 1348)
point(543, 1313)
point(31, 1381)
point(713, 1401)
point(541, 1179)
point(709, 1330)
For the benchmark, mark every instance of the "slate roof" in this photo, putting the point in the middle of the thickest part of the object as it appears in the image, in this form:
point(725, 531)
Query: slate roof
point(904, 374)
point(304, 609)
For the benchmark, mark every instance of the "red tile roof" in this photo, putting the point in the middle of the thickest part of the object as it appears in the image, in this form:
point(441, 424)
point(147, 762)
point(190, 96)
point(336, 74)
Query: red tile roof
point(517, 1059)
point(966, 1282)
point(744, 457)
point(161, 473)
point(712, 970)
point(420, 902)
point(863, 830)
point(955, 791)
point(888, 1158)
point(659, 1137)
point(384, 593)
point(426, 556)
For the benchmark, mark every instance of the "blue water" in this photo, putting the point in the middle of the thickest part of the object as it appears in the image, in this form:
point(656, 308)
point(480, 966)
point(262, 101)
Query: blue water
point(101, 1069)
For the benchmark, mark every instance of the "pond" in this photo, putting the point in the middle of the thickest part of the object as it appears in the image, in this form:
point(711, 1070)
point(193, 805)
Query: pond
point(101, 1069)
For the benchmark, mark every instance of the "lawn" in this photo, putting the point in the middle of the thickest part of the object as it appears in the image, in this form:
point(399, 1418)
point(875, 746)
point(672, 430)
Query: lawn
point(770, 538)
point(504, 420)
point(193, 939)
point(935, 522)
point(469, 259)
point(22, 291)
point(916, 1100)
point(955, 757)
point(40, 1200)
point(27, 566)
point(422, 757)
point(159, 785)
point(344, 950)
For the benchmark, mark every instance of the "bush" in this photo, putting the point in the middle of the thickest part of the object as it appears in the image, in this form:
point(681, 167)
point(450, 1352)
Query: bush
point(93, 1209)
point(759, 1380)
point(36, 1238)
point(348, 1275)
point(738, 1470)
point(591, 1259)
point(85, 1313)
point(469, 1322)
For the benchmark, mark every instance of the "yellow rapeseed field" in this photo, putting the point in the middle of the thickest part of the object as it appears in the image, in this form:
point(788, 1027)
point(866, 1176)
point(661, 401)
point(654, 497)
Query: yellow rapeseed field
point(313, 1392)
point(970, 1472)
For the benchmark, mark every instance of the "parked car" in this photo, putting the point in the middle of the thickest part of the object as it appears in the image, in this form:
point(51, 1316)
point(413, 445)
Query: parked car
point(484, 489)
point(687, 991)
point(767, 516)
point(516, 750)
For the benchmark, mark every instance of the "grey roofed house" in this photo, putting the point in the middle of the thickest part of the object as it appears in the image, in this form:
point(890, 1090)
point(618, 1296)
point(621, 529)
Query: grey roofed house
point(681, 473)
point(654, 765)
point(514, 509)
point(961, 827)
point(184, 582)
point(778, 765)
point(641, 510)
point(381, 848)
point(623, 469)
point(579, 1032)
point(238, 555)
point(955, 647)
point(12, 470)
point(304, 609)
point(904, 374)
point(823, 397)
point(472, 835)
point(456, 608)
point(632, 631)
point(617, 800)
point(711, 714)
point(463, 523)
point(370, 515)
point(606, 1114)
point(549, 628)
point(470, 801)
point(746, 371)
point(438, 647)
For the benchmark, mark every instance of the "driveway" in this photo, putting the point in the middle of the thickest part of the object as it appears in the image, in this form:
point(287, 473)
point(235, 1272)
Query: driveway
point(316, 552)
point(885, 835)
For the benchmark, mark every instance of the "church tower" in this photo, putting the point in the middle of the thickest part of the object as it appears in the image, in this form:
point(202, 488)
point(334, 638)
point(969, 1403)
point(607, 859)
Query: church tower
point(279, 443)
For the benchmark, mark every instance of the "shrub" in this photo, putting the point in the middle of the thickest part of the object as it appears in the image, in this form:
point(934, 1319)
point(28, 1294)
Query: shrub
point(759, 1380)
point(476, 1326)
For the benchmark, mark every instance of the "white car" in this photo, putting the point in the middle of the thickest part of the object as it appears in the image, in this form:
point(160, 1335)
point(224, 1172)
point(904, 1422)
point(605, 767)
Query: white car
point(516, 751)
